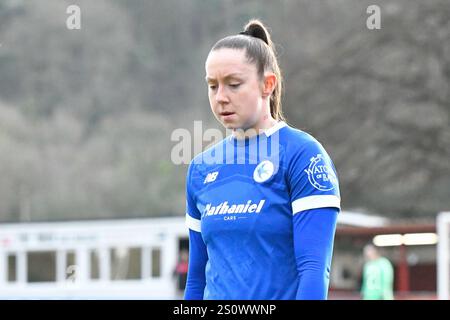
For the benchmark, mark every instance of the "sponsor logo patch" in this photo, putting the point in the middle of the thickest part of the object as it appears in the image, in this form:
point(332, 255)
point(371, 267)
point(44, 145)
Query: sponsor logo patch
point(320, 174)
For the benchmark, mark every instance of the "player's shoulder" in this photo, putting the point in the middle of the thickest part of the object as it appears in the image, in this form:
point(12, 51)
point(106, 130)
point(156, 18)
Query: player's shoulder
point(296, 140)
point(384, 261)
point(211, 156)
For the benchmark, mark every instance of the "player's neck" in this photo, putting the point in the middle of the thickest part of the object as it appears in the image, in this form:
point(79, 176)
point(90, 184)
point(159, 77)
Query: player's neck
point(264, 124)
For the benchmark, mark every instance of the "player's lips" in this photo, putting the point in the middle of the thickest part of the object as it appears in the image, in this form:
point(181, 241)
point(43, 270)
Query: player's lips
point(226, 113)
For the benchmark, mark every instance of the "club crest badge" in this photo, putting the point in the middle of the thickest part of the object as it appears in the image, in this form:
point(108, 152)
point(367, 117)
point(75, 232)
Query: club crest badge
point(263, 171)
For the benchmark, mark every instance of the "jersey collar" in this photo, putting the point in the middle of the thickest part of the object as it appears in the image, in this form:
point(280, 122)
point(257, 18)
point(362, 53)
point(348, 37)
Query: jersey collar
point(275, 128)
point(268, 132)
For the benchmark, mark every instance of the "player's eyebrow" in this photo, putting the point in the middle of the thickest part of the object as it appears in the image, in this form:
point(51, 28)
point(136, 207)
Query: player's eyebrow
point(231, 75)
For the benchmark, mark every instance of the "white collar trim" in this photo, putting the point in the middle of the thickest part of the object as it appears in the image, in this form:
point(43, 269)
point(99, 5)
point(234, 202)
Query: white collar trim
point(275, 128)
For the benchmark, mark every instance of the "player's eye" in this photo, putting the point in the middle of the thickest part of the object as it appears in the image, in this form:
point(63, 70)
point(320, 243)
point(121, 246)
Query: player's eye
point(212, 86)
point(235, 85)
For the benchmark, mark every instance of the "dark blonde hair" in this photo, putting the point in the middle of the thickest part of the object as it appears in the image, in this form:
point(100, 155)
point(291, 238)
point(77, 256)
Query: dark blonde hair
point(259, 49)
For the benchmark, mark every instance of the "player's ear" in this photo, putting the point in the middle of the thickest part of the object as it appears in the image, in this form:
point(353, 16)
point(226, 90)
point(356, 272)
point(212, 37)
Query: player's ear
point(269, 84)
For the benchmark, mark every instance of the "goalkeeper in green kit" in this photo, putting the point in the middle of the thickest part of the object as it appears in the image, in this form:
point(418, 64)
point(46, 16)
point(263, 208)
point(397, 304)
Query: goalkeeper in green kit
point(378, 276)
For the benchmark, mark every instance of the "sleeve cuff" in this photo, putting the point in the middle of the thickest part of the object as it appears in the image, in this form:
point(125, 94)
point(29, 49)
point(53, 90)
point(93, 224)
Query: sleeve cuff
point(193, 224)
point(314, 202)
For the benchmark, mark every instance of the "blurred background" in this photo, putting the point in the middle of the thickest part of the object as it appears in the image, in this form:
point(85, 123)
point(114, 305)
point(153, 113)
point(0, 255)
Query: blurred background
point(91, 204)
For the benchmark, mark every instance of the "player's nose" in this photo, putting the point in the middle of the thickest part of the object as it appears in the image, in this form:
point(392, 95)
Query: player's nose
point(221, 95)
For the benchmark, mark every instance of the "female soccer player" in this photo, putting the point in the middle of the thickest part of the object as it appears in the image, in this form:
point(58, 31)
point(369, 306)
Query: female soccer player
point(262, 204)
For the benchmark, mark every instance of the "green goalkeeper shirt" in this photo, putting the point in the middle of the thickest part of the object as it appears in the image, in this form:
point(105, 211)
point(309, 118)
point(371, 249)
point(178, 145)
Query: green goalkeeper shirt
point(378, 277)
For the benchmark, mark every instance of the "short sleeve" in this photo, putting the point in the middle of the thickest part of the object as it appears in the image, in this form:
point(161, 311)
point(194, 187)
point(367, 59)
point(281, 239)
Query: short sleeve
point(193, 216)
point(312, 178)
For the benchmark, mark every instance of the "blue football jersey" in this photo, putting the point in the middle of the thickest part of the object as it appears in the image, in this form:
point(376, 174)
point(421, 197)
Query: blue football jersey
point(242, 195)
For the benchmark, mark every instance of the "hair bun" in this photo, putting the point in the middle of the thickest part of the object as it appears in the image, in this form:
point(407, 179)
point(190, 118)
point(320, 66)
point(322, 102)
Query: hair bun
point(255, 28)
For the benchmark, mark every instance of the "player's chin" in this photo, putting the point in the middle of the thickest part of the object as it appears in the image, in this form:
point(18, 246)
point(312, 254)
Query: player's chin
point(230, 124)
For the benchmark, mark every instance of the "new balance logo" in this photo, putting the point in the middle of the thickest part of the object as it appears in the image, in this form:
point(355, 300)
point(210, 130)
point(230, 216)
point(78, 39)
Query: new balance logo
point(211, 177)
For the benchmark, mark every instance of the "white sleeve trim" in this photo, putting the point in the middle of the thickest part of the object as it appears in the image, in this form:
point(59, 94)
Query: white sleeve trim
point(193, 224)
point(314, 202)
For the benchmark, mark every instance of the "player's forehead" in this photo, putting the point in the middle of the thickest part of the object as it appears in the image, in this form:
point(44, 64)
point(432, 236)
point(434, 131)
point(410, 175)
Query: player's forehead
point(228, 63)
